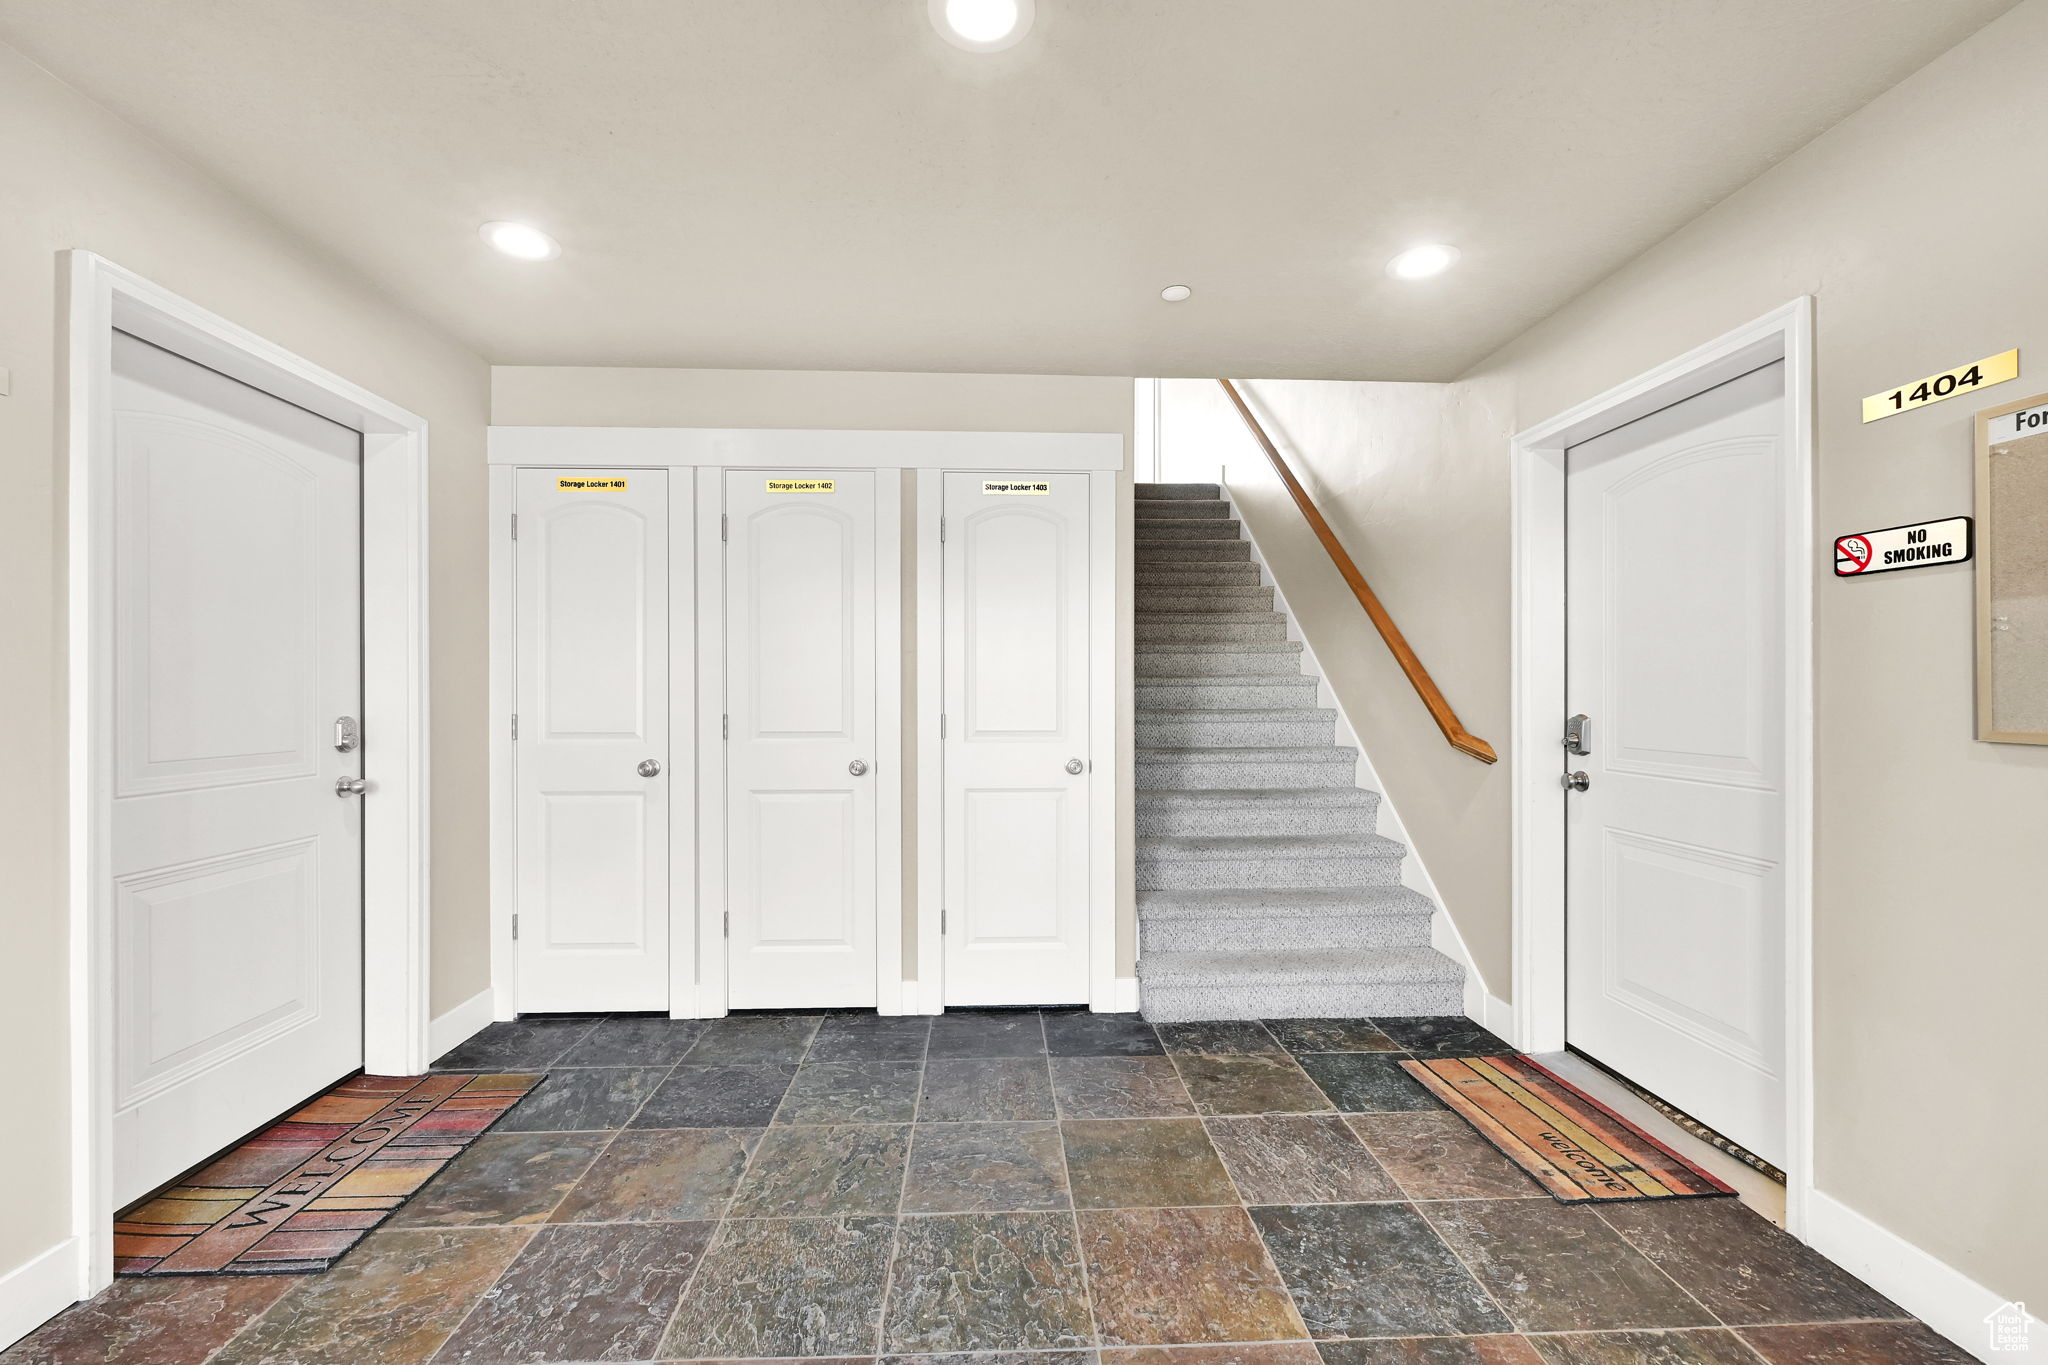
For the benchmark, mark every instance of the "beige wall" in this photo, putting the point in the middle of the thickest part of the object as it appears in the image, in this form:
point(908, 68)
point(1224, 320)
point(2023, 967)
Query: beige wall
point(1916, 226)
point(71, 175)
point(859, 400)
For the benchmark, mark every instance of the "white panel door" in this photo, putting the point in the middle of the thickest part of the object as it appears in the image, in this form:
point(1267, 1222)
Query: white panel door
point(1675, 851)
point(591, 762)
point(1016, 739)
point(800, 755)
point(236, 647)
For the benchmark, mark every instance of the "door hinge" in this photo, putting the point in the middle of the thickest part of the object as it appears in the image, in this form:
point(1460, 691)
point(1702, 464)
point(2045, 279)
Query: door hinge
point(942, 924)
point(728, 924)
point(515, 725)
point(721, 525)
point(515, 928)
point(725, 727)
point(515, 526)
point(942, 530)
point(942, 725)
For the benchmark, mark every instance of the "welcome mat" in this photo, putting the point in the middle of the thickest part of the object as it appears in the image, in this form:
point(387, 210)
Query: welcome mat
point(295, 1197)
point(1575, 1147)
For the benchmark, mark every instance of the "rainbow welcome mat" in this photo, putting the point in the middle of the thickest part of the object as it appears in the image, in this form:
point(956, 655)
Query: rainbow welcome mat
point(1575, 1147)
point(295, 1197)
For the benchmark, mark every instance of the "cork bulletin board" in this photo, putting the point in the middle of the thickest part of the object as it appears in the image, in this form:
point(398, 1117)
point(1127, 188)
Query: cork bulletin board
point(2012, 572)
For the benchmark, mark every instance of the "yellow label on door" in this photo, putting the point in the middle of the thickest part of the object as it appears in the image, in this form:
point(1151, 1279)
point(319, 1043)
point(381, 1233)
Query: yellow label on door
point(591, 485)
point(1935, 387)
point(802, 486)
point(989, 486)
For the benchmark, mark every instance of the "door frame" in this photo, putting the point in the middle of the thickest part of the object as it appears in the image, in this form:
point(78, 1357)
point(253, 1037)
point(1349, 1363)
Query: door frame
point(1106, 993)
point(1537, 865)
point(396, 887)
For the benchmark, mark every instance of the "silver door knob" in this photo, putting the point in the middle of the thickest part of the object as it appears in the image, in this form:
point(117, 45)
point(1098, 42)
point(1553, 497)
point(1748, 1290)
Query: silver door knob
point(350, 786)
point(1076, 766)
point(858, 767)
point(649, 767)
point(1577, 781)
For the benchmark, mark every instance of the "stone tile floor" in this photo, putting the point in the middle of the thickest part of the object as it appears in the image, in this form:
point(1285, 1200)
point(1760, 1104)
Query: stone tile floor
point(1083, 1187)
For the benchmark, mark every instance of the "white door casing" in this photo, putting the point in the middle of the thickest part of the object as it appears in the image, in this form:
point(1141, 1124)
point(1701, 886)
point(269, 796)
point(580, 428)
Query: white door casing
point(801, 875)
point(237, 902)
point(1016, 739)
point(592, 766)
point(1675, 854)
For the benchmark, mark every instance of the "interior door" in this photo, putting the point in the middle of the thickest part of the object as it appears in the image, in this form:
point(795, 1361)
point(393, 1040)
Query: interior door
point(1675, 849)
point(236, 649)
point(801, 726)
point(1016, 739)
point(591, 761)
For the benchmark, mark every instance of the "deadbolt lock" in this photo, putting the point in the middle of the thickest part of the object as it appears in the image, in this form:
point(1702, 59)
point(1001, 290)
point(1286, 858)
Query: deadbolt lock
point(1578, 735)
point(348, 736)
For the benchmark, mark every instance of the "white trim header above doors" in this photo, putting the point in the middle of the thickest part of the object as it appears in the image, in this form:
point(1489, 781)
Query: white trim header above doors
point(806, 449)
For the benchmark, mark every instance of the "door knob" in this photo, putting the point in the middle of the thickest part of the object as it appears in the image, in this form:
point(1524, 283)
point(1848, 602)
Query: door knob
point(1076, 766)
point(1577, 781)
point(649, 767)
point(858, 767)
point(350, 786)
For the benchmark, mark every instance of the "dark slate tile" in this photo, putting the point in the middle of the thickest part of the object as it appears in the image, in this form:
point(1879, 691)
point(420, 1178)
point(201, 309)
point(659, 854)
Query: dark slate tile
point(1557, 1268)
point(753, 1039)
point(871, 1038)
point(1492, 1350)
point(852, 1092)
point(518, 1045)
point(1221, 1037)
point(716, 1097)
point(1163, 1276)
point(1298, 1159)
point(995, 1358)
point(1367, 1082)
point(1439, 1156)
point(786, 1287)
point(1237, 1353)
point(1266, 1084)
point(1443, 1035)
point(635, 1040)
point(824, 1172)
point(1143, 1163)
point(1082, 1033)
point(1742, 1268)
point(986, 1090)
point(174, 1320)
point(1373, 1270)
point(987, 1033)
point(502, 1179)
point(583, 1292)
point(1119, 1088)
point(1855, 1343)
point(985, 1168)
point(1331, 1035)
point(393, 1299)
point(987, 1281)
point(590, 1099)
point(1703, 1347)
point(663, 1175)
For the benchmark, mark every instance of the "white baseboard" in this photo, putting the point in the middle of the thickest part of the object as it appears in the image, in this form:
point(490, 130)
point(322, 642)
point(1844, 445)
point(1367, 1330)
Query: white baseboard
point(460, 1024)
point(1939, 1295)
point(1123, 997)
point(37, 1290)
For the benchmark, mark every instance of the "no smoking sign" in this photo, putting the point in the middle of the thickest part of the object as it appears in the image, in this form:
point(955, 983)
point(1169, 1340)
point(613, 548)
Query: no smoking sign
point(1917, 546)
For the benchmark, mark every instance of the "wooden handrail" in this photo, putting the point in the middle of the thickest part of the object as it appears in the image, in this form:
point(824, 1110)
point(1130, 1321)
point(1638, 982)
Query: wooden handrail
point(1461, 739)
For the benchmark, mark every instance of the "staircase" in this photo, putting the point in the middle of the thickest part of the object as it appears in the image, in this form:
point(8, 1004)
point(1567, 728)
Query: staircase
point(1262, 890)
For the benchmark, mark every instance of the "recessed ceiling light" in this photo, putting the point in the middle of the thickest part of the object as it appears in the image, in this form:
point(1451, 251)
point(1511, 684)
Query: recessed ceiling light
point(520, 241)
point(1174, 293)
point(1420, 262)
point(982, 25)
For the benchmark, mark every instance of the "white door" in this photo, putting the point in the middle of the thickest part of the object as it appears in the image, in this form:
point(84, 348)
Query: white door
point(236, 646)
point(801, 722)
point(1016, 739)
point(1675, 850)
point(591, 762)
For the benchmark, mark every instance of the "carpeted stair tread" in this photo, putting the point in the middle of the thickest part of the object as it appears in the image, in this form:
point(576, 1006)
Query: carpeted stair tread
point(1284, 902)
point(1226, 797)
point(1247, 847)
point(1286, 968)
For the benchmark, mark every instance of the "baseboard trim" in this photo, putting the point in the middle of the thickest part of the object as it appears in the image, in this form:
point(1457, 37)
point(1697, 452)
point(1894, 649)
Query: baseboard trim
point(462, 1023)
point(1937, 1293)
point(1495, 1015)
point(37, 1290)
point(1123, 996)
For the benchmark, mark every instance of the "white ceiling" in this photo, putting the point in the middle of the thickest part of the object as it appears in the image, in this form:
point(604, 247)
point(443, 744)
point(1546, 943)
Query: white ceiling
point(825, 184)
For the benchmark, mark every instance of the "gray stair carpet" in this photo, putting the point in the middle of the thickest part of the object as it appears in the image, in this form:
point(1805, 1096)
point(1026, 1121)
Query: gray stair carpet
point(1263, 892)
